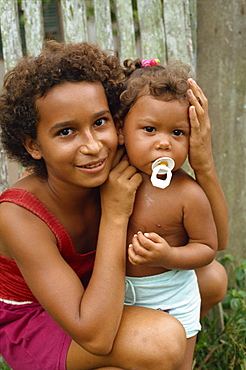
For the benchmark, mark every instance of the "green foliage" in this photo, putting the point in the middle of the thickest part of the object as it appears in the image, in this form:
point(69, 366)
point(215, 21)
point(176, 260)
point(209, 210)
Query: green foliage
point(221, 344)
point(3, 365)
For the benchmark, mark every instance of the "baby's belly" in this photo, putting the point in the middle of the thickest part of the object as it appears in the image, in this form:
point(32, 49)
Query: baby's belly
point(140, 270)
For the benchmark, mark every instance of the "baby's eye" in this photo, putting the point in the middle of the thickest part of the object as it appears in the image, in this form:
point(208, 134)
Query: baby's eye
point(177, 132)
point(65, 132)
point(149, 129)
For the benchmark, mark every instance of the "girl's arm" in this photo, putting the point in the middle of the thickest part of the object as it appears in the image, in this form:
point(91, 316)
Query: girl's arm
point(92, 316)
point(201, 160)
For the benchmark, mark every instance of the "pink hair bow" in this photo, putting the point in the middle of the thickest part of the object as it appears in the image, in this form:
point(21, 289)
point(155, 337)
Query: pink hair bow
point(152, 62)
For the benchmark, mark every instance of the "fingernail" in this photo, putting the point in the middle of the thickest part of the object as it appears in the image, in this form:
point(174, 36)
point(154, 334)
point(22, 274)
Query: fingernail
point(192, 82)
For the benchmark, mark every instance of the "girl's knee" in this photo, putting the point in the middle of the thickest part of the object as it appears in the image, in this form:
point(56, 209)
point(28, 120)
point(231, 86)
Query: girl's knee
point(152, 339)
point(170, 345)
point(212, 281)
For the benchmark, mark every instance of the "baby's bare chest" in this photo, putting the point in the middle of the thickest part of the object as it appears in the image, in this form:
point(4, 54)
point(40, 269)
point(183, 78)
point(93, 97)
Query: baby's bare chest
point(158, 212)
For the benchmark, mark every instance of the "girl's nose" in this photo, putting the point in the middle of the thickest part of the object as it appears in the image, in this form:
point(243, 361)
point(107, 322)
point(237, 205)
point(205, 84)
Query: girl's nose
point(90, 145)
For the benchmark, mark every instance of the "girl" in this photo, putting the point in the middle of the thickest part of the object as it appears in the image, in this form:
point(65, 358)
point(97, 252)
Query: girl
point(57, 310)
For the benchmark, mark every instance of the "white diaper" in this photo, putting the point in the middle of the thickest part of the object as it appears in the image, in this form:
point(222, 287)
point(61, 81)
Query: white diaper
point(175, 292)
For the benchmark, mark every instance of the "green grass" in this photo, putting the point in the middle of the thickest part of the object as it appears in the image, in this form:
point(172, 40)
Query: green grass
point(221, 343)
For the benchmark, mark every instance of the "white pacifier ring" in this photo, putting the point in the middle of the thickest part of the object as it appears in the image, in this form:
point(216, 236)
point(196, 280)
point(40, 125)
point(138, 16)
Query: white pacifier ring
point(162, 166)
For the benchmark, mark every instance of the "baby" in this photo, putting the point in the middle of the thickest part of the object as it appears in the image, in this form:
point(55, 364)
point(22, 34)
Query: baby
point(171, 231)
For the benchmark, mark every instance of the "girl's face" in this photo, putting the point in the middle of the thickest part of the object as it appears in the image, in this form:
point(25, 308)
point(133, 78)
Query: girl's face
point(76, 135)
point(155, 128)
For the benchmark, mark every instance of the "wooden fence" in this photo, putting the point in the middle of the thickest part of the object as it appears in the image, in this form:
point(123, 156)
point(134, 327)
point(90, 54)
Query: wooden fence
point(159, 36)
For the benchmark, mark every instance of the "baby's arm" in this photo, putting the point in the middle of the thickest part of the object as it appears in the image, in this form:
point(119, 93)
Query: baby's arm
point(201, 160)
point(151, 249)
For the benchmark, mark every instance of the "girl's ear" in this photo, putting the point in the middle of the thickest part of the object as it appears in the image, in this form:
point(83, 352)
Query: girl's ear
point(119, 129)
point(32, 147)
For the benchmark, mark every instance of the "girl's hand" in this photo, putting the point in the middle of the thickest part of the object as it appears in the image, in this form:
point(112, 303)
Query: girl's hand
point(148, 249)
point(119, 156)
point(200, 151)
point(118, 192)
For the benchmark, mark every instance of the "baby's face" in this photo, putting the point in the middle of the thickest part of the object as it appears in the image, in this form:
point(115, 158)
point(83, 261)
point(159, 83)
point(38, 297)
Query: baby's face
point(156, 128)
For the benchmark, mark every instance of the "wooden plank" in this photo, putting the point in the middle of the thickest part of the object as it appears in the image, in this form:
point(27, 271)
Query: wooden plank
point(193, 22)
point(221, 67)
point(179, 44)
point(4, 179)
point(126, 32)
point(34, 27)
point(103, 23)
point(11, 42)
point(74, 20)
point(151, 29)
point(10, 32)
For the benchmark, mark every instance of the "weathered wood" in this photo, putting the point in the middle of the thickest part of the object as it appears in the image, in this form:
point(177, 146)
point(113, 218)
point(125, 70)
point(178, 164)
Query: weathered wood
point(193, 23)
point(10, 31)
point(179, 43)
point(126, 32)
point(103, 24)
point(34, 27)
point(151, 29)
point(4, 179)
point(74, 20)
point(221, 67)
point(11, 42)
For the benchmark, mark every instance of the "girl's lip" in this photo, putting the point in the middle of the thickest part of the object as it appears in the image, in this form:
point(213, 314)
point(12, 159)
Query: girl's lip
point(92, 167)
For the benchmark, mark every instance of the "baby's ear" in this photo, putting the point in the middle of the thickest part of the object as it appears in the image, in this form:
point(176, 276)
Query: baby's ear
point(119, 129)
point(32, 147)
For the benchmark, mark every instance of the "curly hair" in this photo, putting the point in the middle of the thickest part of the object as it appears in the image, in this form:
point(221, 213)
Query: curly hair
point(33, 77)
point(162, 82)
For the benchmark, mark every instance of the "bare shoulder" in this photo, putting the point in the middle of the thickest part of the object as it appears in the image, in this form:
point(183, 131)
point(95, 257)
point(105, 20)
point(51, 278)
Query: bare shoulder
point(20, 230)
point(188, 187)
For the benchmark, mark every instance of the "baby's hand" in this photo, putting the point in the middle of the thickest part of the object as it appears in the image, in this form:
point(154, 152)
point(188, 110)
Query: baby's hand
point(200, 150)
point(148, 249)
point(118, 192)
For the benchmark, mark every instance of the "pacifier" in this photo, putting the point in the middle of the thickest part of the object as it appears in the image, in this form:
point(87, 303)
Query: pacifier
point(162, 167)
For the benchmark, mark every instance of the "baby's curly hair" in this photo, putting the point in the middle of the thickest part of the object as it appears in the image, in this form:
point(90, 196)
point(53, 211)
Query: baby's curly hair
point(162, 82)
point(33, 77)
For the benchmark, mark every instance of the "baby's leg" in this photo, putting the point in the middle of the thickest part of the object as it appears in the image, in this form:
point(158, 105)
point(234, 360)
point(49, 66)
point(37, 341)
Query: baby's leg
point(147, 339)
point(188, 360)
point(212, 281)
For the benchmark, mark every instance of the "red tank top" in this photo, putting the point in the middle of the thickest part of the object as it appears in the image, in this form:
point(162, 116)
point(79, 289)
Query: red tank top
point(13, 286)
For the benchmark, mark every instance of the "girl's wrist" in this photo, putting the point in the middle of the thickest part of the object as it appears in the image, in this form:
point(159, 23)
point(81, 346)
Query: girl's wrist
point(207, 171)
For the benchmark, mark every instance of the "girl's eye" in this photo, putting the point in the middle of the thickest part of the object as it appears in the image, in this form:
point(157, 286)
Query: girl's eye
point(177, 132)
point(149, 129)
point(65, 132)
point(100, 122)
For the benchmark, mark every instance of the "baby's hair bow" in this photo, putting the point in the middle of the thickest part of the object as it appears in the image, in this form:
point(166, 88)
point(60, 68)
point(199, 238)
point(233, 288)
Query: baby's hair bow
point(152, 62)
